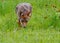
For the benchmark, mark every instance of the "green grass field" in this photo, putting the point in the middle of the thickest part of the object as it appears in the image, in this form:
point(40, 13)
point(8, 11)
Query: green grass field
point(43, 27)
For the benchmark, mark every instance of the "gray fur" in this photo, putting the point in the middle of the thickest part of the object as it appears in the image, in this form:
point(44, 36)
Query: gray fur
point(22, 8)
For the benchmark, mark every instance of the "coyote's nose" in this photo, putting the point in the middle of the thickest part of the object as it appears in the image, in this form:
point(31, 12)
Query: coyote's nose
point(24, 25)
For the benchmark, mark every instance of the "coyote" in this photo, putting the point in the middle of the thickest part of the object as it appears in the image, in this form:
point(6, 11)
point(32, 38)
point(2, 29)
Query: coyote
point(23, 11)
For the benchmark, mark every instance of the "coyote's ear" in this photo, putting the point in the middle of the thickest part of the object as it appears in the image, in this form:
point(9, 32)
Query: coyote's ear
point(29, 14)
point(22, 14)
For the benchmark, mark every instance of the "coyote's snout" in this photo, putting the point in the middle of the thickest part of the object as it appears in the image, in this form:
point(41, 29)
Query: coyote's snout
point(23, 11)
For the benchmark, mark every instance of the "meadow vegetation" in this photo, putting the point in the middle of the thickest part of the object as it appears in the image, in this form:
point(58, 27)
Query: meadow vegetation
point(43, 27)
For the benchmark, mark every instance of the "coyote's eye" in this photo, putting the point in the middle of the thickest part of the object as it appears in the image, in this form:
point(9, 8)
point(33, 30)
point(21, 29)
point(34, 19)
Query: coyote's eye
point(27, 14)
point(26, 21)
point(22, 20)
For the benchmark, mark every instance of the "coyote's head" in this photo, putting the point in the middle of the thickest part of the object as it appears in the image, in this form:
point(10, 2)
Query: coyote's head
point(24, 18)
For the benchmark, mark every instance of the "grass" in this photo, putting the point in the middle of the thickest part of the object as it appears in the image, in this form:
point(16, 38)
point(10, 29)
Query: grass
point(43, 27)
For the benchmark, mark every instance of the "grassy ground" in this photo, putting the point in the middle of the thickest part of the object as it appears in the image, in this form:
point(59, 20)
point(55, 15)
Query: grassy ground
point(43, 27)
